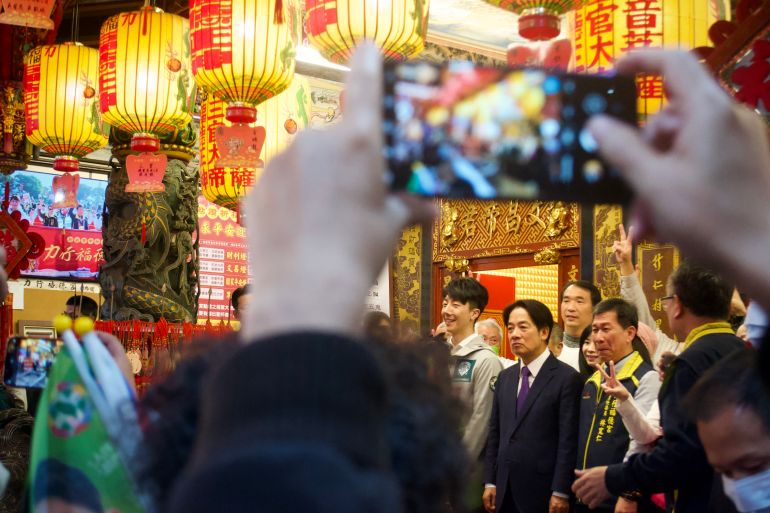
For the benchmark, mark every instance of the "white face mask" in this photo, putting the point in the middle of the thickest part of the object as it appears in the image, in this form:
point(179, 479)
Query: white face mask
point(750, 494)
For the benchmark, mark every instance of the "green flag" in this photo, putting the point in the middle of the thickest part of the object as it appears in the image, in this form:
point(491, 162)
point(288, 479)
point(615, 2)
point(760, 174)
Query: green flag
point(74, 459)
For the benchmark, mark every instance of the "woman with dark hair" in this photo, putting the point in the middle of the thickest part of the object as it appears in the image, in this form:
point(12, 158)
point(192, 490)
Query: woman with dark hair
point(588, 356)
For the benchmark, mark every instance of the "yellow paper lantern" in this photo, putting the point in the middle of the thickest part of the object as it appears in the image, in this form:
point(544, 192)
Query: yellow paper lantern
point(60, 101)
point(398, 27)
point(144, 75)
point(282, 117)
point(606, 29)
point(243, 51)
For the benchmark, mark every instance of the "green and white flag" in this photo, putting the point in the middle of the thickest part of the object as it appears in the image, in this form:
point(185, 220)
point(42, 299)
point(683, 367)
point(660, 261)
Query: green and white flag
point(81, 443)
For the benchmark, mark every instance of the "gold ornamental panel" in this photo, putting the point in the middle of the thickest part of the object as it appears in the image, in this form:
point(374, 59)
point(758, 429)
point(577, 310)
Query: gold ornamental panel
point(475, 228)
point(406, 279)
point(606, 270)
point(656, 263)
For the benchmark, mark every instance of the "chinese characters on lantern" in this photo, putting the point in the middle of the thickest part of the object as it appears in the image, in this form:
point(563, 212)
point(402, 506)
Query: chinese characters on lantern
point(32, 89)
point(108, 49)
point(211, 31)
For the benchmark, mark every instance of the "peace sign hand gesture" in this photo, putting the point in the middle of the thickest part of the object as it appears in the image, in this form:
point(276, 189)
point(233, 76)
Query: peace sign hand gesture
point(611, 385)
point(623, 248)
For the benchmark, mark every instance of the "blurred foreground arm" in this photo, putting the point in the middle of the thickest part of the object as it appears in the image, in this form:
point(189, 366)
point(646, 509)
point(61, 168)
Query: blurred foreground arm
point(305, 430)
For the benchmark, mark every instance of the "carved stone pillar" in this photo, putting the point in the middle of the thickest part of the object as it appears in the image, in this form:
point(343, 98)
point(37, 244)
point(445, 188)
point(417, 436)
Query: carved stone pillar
point(150, 239)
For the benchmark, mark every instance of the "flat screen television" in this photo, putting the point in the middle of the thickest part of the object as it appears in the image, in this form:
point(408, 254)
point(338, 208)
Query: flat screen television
point(73, 236)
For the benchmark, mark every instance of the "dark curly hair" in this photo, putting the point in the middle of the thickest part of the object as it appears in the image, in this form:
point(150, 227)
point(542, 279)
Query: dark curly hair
point(170, 411)
point(427, 455)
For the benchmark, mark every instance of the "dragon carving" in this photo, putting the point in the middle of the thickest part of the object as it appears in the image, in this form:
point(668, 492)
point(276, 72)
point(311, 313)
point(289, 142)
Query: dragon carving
point(158, 276)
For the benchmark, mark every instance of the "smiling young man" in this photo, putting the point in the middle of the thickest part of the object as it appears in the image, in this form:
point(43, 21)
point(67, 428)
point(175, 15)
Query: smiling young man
point(603, 439)
point(532, 439)
point(475, 365)
point(577, 302)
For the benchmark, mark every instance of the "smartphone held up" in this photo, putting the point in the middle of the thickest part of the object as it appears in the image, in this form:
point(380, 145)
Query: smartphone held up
point(462, 131)
point(28, 361)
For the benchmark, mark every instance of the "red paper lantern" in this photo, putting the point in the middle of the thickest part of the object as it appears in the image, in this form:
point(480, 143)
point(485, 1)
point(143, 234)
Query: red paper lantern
point(145, 172)
point(539, 20)
point(551, 54)
point(65, 191)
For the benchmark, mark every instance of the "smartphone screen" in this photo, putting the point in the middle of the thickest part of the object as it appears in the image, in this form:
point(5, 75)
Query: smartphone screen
point(28, 360)
point(462, 131)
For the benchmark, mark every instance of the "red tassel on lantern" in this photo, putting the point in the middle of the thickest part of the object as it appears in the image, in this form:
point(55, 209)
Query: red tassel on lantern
point(144, 233)
point(278, 18)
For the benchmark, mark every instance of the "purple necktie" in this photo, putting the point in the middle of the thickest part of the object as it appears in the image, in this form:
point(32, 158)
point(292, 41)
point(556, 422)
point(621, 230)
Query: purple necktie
point(523, 391)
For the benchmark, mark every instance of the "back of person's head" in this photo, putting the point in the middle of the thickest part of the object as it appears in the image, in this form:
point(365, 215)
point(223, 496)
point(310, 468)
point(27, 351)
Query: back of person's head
point(624, 311)
point(596, 296)
point(84, 304)
point(702, 291)
point(734, 381)
point(428, 458)
point(56, 480)
point(236, 296)
point(377, 324)
point(172, 407)
point(539, 313)
point(467, 291)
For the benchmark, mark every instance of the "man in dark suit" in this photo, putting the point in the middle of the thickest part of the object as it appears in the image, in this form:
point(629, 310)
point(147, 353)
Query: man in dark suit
point(532, 442)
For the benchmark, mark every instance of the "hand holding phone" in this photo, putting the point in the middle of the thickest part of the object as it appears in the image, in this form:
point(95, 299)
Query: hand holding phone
point(468, 132)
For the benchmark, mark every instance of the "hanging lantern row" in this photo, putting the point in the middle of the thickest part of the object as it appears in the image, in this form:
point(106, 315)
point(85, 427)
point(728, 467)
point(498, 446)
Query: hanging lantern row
point(61, 102)
point(228, 59)
point(28, 13)
point(398, 27)
point(230, 167)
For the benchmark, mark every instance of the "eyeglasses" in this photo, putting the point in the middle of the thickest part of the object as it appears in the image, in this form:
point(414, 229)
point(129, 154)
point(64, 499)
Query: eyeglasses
point(667, 298)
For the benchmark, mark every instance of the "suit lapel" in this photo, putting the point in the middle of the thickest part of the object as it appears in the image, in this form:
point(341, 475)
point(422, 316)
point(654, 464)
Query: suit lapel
point(541, 382)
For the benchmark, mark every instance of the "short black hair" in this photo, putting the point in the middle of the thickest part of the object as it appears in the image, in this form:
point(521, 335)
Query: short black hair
point(14, 197)
point(539, 313)
point(733, 381)
point(87, 306)
point(55, 479)
point(467, 290)
point(625, 311)
point(236, 296)
point(596, 296)
point(702, 291)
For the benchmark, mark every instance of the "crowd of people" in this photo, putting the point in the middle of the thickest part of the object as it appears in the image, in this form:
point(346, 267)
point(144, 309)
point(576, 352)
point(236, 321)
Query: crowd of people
point(43, 213)
point(300, 412)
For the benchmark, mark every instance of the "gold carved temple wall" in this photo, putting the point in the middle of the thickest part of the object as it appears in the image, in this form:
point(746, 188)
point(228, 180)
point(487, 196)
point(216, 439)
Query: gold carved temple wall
point(476, 229)
point(407, 279)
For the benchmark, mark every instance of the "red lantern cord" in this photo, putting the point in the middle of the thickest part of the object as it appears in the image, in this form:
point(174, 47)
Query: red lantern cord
point(278, 18)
